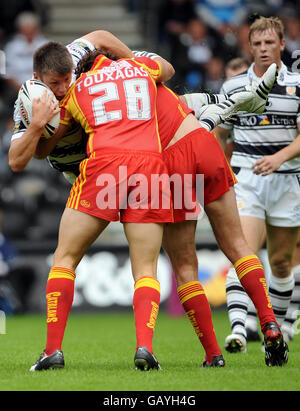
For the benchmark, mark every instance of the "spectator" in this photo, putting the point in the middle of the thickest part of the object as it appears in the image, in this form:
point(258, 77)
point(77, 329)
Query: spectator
point(174, 16)
point(236, 66)
point(132, 6)
point(16, 279)
point(266, 8)
point(193, 50)
point(243, 45)
point(292, 38)
point(10, 9)
point(7, 99)
point(20, 49)
point(214, 73)
point(222, 15)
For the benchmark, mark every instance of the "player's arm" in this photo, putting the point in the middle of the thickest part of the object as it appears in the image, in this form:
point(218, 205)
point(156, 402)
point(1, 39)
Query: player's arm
point(222, 135)
point(23, 149)
point(45, 146)
point(166, 69)
point(196, 101)
point(104, 40)
point(266, 165)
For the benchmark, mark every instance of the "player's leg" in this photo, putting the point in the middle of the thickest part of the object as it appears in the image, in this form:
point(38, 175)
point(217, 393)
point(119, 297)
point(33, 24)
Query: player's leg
point(237, 299)
point(281, 243)
point(294, 307)
point(251, 324)
point(212, 110)
point(76, 233)
point(224, 219)
point(179, 243)
point(144, 241)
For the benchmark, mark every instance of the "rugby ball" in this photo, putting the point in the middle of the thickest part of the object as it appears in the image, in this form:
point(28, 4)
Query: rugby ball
point(30, 90)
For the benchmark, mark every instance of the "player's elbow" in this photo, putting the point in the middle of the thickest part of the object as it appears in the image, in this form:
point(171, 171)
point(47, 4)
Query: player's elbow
point(15, 165)
point(167, 70)
point(171, 69)
point(168, 73)
point(99, 38)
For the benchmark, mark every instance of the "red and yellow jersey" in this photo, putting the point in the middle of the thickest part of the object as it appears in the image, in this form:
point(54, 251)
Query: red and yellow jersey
point(171, 111)
point(115, 103)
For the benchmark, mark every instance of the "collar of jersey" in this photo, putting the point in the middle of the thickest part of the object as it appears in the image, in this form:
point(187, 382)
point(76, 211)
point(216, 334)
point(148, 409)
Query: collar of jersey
point(253, 76)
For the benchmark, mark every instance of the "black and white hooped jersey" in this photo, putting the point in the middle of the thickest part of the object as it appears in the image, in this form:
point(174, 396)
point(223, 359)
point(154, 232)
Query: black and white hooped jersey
point(71, 149)
point(258, 135)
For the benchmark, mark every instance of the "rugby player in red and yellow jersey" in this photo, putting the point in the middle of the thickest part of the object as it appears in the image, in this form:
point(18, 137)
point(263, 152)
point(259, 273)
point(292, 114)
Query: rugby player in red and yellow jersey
point(115, 103)
point(189, 150)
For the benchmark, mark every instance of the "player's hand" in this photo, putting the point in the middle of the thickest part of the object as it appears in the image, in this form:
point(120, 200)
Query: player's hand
point(266, 165)
point(43, 109)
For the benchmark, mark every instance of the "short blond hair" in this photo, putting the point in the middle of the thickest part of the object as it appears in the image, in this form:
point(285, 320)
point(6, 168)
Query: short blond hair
point(266, 23)
point(237, 63)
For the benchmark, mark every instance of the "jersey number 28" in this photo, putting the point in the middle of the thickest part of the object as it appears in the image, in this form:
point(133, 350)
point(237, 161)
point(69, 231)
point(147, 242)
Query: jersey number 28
point(137, 101)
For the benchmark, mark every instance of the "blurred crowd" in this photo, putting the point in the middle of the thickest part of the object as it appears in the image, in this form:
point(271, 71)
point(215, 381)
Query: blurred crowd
point(201, 36)
point(24, 197)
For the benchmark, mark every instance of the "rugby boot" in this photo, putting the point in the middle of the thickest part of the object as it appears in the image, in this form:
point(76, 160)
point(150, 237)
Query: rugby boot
point(276, 349)
point(144, 360)
point(260, 89)
point(235, 343)
point(45, 362)
point(212, 115)
point(217, 361)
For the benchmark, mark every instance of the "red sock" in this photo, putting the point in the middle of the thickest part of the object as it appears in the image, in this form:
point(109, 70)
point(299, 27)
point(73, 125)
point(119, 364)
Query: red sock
point(196, 306)
point(146, 301)
point(252, 277)
point(59, 296)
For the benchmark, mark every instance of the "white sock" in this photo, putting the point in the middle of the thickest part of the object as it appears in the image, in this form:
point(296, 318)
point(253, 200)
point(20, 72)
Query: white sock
point(237, 303)
point(294, 307)
point(280, 291)
point(251, 319)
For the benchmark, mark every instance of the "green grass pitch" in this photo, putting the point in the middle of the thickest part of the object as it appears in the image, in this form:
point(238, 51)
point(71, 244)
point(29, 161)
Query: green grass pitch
point(99, 351)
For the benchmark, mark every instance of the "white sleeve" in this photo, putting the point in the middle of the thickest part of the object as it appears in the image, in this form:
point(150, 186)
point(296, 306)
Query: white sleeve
point(78, 48)
point(19, 126)
point(149, 54)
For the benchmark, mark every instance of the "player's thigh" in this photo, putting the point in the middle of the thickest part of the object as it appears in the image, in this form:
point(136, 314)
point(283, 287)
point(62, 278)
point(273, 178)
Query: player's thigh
point(281, 242)
point(225, 221)
point(77, 232)
point(144, 241)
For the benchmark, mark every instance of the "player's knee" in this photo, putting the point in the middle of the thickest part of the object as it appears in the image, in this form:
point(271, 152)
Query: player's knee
point(185, 267)
point(66, 260)
point(281, 266)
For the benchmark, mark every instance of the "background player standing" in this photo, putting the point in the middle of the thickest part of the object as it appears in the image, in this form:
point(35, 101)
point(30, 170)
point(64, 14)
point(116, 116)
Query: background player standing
point(265, 202)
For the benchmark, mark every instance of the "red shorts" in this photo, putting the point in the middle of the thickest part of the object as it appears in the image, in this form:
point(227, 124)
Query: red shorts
point(198, 161)
point(130, 186)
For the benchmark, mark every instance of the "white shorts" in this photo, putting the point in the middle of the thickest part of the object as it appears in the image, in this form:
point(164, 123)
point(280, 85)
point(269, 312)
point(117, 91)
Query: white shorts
point(274, 198)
